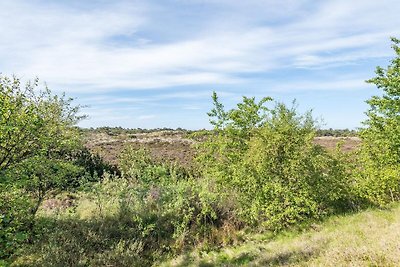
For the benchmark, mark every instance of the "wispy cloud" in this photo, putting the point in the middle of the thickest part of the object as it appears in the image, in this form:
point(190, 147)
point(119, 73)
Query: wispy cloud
point(75, 48)
point(87, 48)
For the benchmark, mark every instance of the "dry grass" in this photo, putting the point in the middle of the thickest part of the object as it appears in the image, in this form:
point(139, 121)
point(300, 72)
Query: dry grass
point(164, 146)
point(174, 146)
point(330, 142)
point(369, 238)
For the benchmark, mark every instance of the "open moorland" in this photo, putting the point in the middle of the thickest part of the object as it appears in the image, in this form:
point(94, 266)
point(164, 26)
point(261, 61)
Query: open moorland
point(264, 187)
point(177, 145)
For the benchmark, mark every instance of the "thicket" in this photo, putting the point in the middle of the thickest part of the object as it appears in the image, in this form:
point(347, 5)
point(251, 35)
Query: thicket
point(258, 169)
point(378, 172)
point(266, 158)
point(40, 153)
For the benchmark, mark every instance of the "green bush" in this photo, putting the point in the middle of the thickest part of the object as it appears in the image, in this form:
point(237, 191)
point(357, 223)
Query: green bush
point(192, 203)
point(270, 161)
point(285, 178)
point(37, 129)
point(137, 165)
point(34, 122)
point(121, 222)
point(93, 164)
point(378, 173)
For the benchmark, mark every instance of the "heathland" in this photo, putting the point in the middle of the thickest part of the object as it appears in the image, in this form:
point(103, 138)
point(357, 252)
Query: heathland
point(264, 187)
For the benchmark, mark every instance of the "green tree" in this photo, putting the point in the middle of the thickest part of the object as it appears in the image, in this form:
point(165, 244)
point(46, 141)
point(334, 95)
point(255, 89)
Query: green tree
point(34, 122)
point(379, 175)
point(266, 160)
point(37, 138)
point(232, 131)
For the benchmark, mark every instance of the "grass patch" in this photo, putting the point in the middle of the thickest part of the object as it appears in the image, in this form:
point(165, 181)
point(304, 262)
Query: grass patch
point(369, 238)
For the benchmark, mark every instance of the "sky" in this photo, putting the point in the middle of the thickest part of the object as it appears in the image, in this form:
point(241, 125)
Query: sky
point(154, 64)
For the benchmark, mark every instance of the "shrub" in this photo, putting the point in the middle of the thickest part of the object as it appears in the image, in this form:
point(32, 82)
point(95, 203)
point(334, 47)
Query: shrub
point(279, 175)
point(93, 164)
point(285, 178)
point(378, 178)
point(125, 223)
point(138, 165)
point(36, 131)
point(192, 203)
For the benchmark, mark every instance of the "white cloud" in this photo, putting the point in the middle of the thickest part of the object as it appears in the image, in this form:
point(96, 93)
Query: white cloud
point(338, 85)
point(73, 49)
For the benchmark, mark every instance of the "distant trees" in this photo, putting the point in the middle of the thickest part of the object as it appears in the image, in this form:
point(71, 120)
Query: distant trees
point(336, 132)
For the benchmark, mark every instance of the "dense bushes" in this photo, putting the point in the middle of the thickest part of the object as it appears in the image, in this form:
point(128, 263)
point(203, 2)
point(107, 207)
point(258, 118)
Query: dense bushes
point(188, 204)
point(39, 153)
point(378, 173)
point(272, 165)
point(132, 221)
point(93, 164)
point(258, 168)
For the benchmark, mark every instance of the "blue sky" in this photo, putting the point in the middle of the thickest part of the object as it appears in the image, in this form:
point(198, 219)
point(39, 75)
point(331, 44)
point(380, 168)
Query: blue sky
point(155, 64)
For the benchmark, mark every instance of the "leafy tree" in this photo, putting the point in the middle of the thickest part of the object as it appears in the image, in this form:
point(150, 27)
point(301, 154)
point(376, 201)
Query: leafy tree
point(34, 123)
point(265, 158)
point(37, 137)
point(232, 129)
point(379, 175)
point(384, 113)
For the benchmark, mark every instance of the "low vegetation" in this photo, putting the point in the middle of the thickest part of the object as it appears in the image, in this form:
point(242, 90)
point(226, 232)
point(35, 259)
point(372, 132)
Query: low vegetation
point(367, 238)
point(256, 177)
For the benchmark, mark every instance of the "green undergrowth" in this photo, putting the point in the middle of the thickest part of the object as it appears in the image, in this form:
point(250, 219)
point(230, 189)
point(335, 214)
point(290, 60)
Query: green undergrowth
point(368, 238)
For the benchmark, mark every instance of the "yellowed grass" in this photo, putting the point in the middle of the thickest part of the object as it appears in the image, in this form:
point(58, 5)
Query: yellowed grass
point(370, 238)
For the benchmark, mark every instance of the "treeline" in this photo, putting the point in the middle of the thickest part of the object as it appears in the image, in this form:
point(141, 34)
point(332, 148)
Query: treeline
point(337, 132)
point(259, 170)
point(115, 131)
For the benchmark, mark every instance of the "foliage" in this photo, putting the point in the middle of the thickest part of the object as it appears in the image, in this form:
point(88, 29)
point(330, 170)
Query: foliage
point(270, 161)
point(37, 133)
point(14, 214)
point(379, 170)
point(124, 222)
point(367, 238)
point(232, 131)
point(93, 164)
point(34, 123)
point(192, 202)
point(137, 164)
point(336, 132)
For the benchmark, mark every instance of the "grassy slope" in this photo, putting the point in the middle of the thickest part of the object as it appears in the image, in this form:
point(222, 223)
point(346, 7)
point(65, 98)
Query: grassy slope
point(369, 238)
